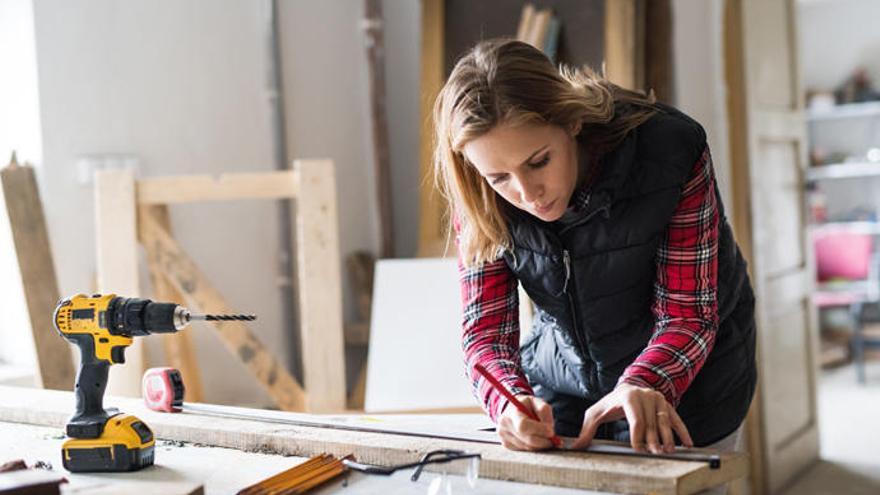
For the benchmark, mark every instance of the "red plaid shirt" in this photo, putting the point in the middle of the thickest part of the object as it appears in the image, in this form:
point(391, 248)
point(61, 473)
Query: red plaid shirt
point(684, 308)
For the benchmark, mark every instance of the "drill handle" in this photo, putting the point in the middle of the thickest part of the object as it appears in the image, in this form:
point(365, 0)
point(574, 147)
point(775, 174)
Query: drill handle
point(91, 381)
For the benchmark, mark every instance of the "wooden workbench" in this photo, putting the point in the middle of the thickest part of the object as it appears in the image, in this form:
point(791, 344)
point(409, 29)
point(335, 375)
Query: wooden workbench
point(31, 422)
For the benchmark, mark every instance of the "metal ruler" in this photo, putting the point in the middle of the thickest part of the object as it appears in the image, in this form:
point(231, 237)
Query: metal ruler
point(364, 424)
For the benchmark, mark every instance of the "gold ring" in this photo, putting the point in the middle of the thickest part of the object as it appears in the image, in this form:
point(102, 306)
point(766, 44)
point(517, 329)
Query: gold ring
point(661, 413)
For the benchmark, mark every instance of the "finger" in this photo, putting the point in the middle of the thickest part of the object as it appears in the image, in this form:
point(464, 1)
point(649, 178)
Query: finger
point(592, 420)
point(545, 414)
point(680, 428)
point(664, 424)
point(534, 442)
point(527, 434)
point(649, 407)
point(524, 426)
point(636, 426)
point(509, 441)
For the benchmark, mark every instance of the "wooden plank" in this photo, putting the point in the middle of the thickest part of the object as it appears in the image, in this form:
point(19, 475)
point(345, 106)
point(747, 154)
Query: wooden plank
point(624, 50)
point(583, 470)
point(200, 295)
point(658, 52)
point(193, 188)
point(319, 281)
point(179, 350)
point(33, 251)
point(432, 227)
point(117, 263)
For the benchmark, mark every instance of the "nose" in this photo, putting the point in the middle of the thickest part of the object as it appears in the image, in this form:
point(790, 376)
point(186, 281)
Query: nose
point(530, 191)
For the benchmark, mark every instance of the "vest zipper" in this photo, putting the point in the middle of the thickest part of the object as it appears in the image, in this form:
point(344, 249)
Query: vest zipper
point(578, 335)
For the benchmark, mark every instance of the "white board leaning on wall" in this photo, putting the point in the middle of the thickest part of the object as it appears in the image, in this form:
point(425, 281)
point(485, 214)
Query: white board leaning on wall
point(415, 359)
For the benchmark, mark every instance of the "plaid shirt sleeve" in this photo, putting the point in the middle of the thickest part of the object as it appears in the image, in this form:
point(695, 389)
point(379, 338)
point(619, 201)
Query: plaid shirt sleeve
point(685, 303)
point(490, 324)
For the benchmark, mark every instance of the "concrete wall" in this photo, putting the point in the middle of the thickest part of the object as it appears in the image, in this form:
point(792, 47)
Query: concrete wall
point(181, 86)
point(699, 78)
point(403, 23)
point(20, 131)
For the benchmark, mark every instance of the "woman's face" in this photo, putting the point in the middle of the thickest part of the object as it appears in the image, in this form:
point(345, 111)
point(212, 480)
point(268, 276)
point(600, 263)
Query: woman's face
point(533, 167)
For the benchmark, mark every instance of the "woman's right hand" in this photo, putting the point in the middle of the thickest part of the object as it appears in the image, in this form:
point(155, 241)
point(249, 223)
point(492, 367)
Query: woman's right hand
point(518, 432)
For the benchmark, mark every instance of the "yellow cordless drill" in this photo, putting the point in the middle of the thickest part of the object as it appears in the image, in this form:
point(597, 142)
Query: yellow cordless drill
point(102, 326)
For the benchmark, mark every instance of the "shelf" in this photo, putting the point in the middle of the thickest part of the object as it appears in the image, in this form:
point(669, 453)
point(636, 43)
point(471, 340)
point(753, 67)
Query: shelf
point(864, 227)
point(843, 171)
point(849, 110)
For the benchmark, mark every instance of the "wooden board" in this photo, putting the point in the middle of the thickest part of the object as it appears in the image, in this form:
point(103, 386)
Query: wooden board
point(624, 43)
point(117, 262)
point(194, 188)
point(432, 226)
point(319, 279)
point(561, 468)
point(27, 223)
point(769, 161)
point(200, 295)
point(180, 352)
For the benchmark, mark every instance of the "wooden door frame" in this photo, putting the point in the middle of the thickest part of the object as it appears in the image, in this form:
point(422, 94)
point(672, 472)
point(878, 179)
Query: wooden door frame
point(734, 75)
point(743, 214)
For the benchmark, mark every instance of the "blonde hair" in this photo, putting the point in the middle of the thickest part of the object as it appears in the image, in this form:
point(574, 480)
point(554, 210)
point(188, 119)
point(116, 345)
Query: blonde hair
point(510, 82)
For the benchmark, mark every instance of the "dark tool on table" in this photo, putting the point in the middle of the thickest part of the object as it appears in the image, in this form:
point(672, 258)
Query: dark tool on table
point(102, 326)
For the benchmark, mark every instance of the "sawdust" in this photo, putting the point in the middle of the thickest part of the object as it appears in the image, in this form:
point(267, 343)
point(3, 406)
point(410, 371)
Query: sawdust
point(171, 443)
point(265, 449)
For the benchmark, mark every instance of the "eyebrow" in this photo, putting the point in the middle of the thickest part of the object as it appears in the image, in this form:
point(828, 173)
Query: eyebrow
point(527, 160)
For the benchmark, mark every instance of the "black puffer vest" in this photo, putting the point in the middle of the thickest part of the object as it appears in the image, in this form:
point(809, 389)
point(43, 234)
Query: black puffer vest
point(592, 283)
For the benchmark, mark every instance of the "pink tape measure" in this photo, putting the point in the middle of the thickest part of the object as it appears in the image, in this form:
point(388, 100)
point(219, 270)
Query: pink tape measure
point(162, 389)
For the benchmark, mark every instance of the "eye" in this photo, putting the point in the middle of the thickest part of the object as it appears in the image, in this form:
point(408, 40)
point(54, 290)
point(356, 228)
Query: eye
point(498, 180)
point(540, 163)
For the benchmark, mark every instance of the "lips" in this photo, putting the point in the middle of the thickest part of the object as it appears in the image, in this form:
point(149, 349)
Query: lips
point(546, 208)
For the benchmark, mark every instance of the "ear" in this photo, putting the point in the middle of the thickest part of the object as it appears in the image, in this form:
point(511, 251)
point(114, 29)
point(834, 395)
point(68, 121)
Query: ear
point(575, 129)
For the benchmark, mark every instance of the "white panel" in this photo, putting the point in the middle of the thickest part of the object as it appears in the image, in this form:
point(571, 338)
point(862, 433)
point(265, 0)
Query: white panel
point(415, 358)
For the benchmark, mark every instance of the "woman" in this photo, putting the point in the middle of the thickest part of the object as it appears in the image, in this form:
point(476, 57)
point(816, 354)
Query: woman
point(603, 205)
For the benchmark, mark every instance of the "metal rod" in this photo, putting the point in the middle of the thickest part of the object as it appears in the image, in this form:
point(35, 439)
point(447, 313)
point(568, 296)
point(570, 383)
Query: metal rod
point(484, 437)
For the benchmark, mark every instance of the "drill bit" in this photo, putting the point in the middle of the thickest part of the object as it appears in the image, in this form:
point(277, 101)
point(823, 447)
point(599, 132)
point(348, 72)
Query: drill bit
point(238, 317)
point(182, 317)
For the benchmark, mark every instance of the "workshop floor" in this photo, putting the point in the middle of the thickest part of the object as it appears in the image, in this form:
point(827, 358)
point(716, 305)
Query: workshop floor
point(849, 433)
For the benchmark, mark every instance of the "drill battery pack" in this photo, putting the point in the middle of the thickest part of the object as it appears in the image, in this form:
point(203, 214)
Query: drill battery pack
point(126, 444)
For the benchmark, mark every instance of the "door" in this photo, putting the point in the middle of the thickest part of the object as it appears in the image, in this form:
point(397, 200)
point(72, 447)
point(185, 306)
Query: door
point(768, 152)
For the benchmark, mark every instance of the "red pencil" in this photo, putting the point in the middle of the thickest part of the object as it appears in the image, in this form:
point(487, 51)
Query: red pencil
point(513, 400)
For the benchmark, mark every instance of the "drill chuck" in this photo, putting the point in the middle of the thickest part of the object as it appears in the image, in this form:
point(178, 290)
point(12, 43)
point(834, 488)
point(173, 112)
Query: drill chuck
point(137, 317)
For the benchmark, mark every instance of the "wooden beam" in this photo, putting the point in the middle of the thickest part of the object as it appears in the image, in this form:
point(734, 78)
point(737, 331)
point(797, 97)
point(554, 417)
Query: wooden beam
point(432, 227)
point(658, 53)
point(179, 350)
point(624, 43)
point(741, 211)
point(200, 295)
point(117, 263)
point(582, 470)
point(194, 188)
point(319, 282)
point(30, 237)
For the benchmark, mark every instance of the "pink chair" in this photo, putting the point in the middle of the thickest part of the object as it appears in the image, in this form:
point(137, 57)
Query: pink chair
point(848, 273)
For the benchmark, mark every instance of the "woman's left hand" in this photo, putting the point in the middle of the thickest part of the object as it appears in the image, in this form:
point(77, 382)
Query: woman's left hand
point(651, 419)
